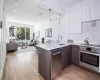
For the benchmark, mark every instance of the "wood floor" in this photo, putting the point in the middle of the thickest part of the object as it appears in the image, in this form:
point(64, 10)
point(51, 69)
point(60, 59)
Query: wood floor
point(24, 66)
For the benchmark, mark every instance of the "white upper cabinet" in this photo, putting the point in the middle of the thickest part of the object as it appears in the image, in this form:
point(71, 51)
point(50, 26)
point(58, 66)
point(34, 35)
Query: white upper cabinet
point(65, 24)
point(75, 21)
point(85, 13)
point(95, 10)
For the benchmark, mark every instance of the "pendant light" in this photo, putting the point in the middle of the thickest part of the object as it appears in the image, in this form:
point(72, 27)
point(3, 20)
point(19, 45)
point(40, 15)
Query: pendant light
point(50, 14)
point(59, 21)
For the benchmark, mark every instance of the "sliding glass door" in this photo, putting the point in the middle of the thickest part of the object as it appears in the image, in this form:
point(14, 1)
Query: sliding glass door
point(27, 33)
point(21, 33)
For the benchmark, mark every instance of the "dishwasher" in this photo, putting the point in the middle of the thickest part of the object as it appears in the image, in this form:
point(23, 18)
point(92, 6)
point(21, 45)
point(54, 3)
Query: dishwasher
point(56, 66)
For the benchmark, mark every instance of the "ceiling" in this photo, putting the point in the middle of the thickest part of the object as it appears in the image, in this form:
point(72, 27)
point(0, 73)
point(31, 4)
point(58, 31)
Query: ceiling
point(27, 12)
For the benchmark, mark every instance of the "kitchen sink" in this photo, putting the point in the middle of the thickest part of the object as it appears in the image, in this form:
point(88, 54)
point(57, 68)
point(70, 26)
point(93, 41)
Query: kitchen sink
point(61, 44)
point(95, 45)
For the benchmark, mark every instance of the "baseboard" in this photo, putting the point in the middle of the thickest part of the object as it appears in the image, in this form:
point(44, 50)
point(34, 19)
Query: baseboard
point(1, 75)
point(2, 69)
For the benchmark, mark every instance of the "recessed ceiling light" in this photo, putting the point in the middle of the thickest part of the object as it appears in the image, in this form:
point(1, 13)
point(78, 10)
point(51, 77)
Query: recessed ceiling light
point(14, 10)
point(40, 14)
point(16, 3)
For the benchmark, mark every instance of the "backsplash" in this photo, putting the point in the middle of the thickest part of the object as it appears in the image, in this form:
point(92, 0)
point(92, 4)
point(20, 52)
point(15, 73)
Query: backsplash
point(90, 30)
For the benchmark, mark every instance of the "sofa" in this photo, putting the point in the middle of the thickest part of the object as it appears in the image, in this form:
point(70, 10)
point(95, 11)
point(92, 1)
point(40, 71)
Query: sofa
point(11, 47)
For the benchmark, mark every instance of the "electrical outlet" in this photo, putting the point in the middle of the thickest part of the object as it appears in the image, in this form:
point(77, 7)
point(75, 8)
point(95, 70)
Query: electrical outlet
point(94, 23)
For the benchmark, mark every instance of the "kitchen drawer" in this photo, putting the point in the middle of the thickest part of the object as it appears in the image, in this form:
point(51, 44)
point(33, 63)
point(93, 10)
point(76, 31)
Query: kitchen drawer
point(75, 46)
point(58, 50)
point(75, 54)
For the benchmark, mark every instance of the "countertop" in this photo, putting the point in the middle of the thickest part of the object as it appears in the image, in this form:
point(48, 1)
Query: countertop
point(55, 45)
point(51, 46)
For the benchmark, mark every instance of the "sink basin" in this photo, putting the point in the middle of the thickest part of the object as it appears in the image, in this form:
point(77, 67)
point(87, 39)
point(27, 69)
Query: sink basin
point(95, 45)
point(61, 44)
point(83, 44)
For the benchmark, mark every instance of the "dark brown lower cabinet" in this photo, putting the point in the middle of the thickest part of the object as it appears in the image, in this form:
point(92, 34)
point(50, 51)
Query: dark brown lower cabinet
point(44, 63)
point(41, 61)
point(66, 56)
point(75, 54)
point(48, 60)
point(52, 62)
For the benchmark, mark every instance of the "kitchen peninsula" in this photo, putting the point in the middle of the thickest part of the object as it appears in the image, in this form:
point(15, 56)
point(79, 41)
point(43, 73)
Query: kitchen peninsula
point(53, 58)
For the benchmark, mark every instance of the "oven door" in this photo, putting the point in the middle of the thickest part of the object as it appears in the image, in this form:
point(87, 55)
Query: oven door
point(89, 58)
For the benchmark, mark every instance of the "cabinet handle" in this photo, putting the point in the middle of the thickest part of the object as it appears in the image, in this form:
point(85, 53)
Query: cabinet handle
point(56, 53)
point(1, 24)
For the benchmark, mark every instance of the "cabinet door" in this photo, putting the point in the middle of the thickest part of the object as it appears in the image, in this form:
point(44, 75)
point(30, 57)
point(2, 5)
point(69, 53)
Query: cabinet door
point(65, 24)
point(1, 36)
point(41, 61)
point(48, 55)
point(75, 55)
point(1, 10)
point(1, 19)
point(66, 56)
point(85, 13)
point(1, 15)
point(75, 21)
point(95, 10)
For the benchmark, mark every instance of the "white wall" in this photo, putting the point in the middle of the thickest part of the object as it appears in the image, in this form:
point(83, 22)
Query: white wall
point(89, 31)
point(9, 24)
point(2, 39)
point(45, 25)
point(89, 11)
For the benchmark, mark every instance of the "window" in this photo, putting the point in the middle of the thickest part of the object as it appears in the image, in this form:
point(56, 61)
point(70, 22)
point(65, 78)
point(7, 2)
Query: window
point(27, 33)
point(21, 33)
point(12, 31)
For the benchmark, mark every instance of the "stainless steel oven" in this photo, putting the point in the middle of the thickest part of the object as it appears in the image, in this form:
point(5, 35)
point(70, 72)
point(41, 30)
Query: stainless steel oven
point(90, 58)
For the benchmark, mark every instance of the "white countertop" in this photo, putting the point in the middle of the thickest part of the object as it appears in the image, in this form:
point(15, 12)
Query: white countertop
point(51, 46)
point(54, 45)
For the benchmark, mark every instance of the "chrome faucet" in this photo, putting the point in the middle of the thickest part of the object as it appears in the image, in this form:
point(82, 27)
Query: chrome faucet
point(59, 37)
point(86, 41)
point(49, 41)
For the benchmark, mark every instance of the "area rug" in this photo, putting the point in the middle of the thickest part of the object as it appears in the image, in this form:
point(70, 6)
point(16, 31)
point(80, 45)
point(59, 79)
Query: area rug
point(28, 49)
